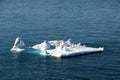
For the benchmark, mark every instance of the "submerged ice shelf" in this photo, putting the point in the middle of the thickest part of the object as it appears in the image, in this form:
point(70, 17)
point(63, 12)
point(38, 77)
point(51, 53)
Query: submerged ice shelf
point(56, 48)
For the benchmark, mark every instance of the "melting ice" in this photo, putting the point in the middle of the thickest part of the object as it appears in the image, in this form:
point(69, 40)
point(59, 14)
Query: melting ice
point(56, 48)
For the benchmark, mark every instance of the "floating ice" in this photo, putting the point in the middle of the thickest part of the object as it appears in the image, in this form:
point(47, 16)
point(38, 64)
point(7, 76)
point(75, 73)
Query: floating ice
point(57, 48)
point(19, 45)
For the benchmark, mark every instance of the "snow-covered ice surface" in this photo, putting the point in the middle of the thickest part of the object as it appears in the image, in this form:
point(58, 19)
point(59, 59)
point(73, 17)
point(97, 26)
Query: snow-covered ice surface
point(56, 48)
point(73, 51)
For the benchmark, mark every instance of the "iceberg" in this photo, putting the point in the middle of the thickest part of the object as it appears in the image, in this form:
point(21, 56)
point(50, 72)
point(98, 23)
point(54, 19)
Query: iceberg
point(19, 45)
point(56, 48)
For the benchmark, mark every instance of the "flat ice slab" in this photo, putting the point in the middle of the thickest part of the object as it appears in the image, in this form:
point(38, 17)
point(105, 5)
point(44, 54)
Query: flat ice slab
point(73, 51)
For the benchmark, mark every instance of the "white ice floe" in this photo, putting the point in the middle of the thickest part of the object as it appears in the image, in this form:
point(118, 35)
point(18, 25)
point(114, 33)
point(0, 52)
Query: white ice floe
point(19, 45)
point(57, 48)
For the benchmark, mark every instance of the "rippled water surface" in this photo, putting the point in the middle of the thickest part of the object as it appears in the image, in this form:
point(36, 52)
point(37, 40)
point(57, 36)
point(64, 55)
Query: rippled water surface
point(90, 22)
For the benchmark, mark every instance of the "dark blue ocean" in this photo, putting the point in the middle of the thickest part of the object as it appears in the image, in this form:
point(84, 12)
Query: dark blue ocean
point(94, 23)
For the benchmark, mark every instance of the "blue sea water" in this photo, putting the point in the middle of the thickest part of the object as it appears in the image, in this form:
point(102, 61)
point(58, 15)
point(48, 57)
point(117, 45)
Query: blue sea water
point(91, 22)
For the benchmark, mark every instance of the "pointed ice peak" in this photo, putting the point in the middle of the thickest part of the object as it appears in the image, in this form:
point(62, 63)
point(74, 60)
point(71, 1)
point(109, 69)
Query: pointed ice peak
point(19, 42)
point(69, 40)
point(19, 45)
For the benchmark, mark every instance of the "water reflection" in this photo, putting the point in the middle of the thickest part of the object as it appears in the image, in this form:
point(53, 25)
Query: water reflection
point(28, 65)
